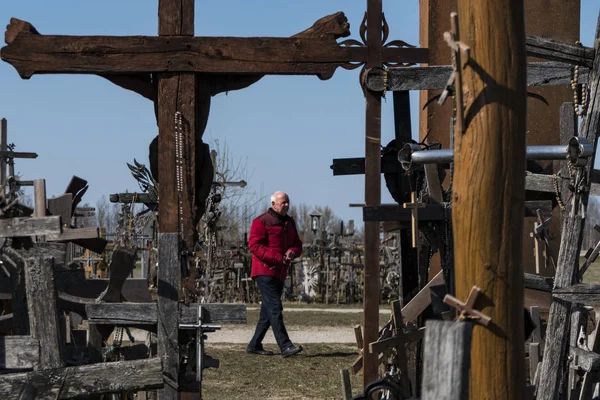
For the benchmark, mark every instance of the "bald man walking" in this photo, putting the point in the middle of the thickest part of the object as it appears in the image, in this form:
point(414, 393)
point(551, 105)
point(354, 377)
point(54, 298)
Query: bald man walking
point(274, 243)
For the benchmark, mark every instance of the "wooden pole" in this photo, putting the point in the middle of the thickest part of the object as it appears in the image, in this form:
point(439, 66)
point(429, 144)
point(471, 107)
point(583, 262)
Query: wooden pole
point(176, 94)
point(3, 147)
point(372, 192)
point(488, 203)
point(39, 194)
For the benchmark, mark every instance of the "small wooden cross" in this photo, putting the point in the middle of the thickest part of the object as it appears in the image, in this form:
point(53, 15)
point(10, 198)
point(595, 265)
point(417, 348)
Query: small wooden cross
point(541, 237)
point(466, 310)
point(452, 38)
point(414, 205)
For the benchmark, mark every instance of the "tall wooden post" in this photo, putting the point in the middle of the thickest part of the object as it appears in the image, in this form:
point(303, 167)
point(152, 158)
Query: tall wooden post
point(176, 94)
point(372, 192)
point(488, 203)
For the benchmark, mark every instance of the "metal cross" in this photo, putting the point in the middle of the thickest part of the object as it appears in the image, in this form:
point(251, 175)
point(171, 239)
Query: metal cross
point(200, 331)
point(466, 310)
point(414, 205)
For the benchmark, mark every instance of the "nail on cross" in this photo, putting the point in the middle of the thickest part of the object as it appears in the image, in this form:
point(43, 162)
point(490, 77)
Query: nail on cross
point(414, 205)
point(466, 309)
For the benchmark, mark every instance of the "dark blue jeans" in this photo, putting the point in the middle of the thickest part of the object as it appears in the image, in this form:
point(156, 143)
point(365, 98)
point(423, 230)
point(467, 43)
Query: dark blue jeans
point(271, 313)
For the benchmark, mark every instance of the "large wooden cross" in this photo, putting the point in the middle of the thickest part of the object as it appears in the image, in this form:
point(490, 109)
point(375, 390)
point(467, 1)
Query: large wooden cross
point(180, 73)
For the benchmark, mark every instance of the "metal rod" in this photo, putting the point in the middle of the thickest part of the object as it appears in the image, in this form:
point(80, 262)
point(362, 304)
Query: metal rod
point(408, 156)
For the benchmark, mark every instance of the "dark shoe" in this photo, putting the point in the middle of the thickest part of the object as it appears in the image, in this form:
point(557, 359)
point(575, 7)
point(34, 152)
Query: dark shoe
point(290, 351)
point(260, 351)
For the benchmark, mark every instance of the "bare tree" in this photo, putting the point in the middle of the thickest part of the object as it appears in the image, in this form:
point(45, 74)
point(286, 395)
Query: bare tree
point(107, 214)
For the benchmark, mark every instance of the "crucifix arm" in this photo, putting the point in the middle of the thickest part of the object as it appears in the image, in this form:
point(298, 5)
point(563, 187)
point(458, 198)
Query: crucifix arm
point(139, 83)
point(335, 25)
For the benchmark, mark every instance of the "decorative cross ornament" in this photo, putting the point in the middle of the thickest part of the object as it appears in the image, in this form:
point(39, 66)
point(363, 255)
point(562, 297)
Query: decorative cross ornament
point(414, 205)
point(466, 310)
point(452, 38)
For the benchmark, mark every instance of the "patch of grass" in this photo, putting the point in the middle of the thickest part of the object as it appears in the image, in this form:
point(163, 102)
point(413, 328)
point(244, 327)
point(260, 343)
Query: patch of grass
point(592, 275)
point(315, 318)
point(312, 374)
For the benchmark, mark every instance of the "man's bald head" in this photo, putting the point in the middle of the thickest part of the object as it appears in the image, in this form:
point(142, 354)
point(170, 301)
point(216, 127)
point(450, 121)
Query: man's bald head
point(280, 203)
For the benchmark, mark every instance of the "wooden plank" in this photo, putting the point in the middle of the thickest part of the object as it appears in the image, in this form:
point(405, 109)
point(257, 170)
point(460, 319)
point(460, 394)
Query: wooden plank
point(346, 385)
point(169, 279)
point(39, 197)
point(435, 212)
point(43, 310)
point(537, 282)
point(356, 166)
point(146, 313)
point(550, 49)
point(129, 198)
point(19, 352)
point(222, 313)
point(422, 300)
point(436, 77)
point(555, 356)
point(591, 379)
point(579, 293)
point(17, 154)
point(29, 226)
point(586, 360)
point(39, 54)
point(62, 207)
point(123, 314)
point(73, 234)
point(86, 380)
point(446, 360)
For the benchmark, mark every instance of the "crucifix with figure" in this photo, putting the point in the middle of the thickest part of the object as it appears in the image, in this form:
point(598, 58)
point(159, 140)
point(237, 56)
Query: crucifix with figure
point(180, 73)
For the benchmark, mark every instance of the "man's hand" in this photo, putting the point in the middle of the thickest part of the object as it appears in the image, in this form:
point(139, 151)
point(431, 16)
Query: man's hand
point(289, 256)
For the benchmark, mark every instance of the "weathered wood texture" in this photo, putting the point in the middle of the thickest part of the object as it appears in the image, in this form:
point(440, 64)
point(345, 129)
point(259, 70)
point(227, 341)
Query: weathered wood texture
point(555, 355)
point(436, 77)
point(146, 313)
point(28, 392)
point(39, 197)
point(555, 50)
point(488, 203)
point(169, 280)
point(32, 53)
point(370, 318)
point(43, 311)
point(579, 293)
point(86, 380)
point(62, 207)
point(536, 282)
point(29, 226)
point(446, 360)
point(19, 352)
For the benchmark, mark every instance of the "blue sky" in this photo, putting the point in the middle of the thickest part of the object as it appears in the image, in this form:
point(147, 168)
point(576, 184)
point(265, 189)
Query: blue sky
point(287, 129)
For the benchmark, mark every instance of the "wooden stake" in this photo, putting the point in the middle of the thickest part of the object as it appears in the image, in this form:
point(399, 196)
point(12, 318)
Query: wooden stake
point(488, 203)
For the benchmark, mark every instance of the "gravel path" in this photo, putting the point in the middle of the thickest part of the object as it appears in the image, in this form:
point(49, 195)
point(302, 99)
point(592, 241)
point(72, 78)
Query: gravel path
point(324, 334)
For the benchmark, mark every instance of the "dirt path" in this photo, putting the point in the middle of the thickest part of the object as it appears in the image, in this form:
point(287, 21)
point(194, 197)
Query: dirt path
point(323, 334)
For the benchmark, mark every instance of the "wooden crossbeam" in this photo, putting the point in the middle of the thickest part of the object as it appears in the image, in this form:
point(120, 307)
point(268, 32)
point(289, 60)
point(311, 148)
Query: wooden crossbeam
point(32, 53)
point(435, 77)
point(86, 380)
point(146, 313)
point(555, 50)
point(436, 212)
point(30, 226)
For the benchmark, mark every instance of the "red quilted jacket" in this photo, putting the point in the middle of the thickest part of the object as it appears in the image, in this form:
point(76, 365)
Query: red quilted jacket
point(271, 236)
